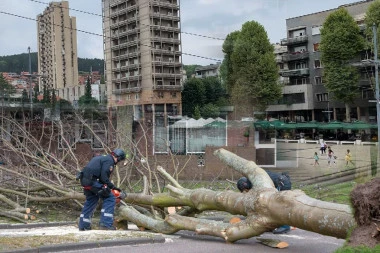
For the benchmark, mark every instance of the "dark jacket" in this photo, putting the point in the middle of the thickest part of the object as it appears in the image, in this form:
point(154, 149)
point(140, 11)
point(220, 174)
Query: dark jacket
point(99, 170)
point(280, 180)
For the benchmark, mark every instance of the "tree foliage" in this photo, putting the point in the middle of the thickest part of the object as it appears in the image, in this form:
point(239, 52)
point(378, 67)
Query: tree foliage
point(193, 94)
point(87, 101)
point(206, 94)
point(20, 62)
point(341, 41)
point(190, 69)
point(250, 69)
point(6, 89)
point(226, 70)
point(373, 17)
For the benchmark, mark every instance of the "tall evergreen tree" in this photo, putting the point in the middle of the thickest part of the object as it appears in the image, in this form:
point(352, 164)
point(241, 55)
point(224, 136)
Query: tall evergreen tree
point(193, 94)
point(252, 70)
point(341, 41)
point(87, 89)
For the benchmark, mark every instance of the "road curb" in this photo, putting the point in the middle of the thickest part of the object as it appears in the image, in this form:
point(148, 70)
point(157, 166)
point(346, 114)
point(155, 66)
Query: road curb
point(36, 225)
point(90, 245)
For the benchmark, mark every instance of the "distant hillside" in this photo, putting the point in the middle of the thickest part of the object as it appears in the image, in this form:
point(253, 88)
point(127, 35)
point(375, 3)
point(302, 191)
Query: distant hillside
point(20, 62)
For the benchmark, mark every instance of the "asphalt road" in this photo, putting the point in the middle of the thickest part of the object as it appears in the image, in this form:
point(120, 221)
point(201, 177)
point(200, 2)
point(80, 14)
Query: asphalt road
point(300, 241)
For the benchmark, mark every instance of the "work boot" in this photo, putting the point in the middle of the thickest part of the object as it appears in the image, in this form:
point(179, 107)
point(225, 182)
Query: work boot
point(107, 228)
point(281, 230)
point(84, 229)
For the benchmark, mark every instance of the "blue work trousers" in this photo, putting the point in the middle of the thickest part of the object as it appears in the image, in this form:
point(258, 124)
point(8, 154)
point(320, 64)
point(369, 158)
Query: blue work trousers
point(106, 215)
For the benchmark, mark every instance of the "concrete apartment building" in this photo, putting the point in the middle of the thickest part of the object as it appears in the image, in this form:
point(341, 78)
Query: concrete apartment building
point(143, 63)
point(305, 97)
point(57, 50)
point(206, 71)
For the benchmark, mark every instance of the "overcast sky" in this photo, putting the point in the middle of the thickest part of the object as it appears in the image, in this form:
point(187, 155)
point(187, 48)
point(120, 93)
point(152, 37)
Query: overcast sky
point(212, 18)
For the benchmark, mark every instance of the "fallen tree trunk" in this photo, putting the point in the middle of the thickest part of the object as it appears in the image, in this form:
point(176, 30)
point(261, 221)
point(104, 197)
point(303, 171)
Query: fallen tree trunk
point(265, 207)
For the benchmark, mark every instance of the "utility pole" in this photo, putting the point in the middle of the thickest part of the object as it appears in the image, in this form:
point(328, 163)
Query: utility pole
point(377, 94)
point(30, 86)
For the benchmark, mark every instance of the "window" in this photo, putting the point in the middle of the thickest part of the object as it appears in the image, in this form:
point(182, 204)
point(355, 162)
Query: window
point(160, 94)
point(368, 94)
point(316, 30)
point(322, 97)
point(173, 94)
point(316, 47)
point(318, 80)
point(317, 64)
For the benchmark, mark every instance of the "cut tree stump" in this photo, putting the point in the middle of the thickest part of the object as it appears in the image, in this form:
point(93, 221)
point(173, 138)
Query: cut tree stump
point(234, 220)
point(274, 243)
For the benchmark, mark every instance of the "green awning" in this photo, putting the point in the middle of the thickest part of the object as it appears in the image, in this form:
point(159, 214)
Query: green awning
point(216, 124)
point(307, 125)
point(265, 124)
point(358, 125)
point(331, 125)
point(285, 126)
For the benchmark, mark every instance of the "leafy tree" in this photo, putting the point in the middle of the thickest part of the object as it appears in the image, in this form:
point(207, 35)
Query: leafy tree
point(53, 99)
point(197, 113)
point(6, 89)
point(340, 42)
point(373, 17)
point(193, 94)
point(46, 95)
point(210, 111)
point(190, 70)
point(36, 92)
point(226, 70)
point(214, 89)
point(25, 97)
point(254, 76)
point(87, 101)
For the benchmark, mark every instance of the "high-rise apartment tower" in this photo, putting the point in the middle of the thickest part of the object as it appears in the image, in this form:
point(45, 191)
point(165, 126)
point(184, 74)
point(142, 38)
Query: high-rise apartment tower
point(143, 63)
point(57, 50)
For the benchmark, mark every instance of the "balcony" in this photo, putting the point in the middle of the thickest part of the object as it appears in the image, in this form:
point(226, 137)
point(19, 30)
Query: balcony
point(166, 63)
point(126, 67)
point(294, 72)
point(293, 41)
point(125, 33)
point(126, 90)
point(167, 75)
point(164, 4)
point(166, 40)
point(122, 11)
point(165, 51)
point(168, 87)
point(126, 56)
point(295, 56)
point(165, 17)
point(124, 22)
point(125, 44)
point(166, 28)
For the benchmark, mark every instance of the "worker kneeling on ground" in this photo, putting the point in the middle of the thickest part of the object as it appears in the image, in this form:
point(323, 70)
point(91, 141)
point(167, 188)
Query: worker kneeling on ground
point(280, 180)
point(95, 179)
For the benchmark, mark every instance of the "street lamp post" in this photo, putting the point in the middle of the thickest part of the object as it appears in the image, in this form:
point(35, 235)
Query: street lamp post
point(30, 86)
point(377, 94)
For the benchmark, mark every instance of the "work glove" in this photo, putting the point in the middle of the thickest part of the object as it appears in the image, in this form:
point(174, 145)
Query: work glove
point(123, 195)
point(117, 189)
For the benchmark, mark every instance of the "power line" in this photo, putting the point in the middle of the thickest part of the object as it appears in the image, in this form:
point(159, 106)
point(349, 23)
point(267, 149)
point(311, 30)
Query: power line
point(97, 34)
point(100, 15)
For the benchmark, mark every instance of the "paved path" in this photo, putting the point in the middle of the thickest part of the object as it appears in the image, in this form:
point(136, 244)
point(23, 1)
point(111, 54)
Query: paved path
point(301, 155)
point(300, 241)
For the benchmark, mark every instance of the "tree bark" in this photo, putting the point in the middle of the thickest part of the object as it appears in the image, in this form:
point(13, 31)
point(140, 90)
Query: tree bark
point(265, 208)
